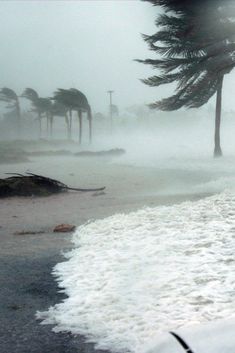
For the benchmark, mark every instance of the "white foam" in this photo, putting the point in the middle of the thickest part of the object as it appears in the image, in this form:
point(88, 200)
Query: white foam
point(133, 276)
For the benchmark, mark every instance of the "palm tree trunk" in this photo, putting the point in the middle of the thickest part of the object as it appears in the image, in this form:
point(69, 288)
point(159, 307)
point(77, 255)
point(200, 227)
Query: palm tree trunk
point(70, 123)
point(51, 125)
point(217, 148)
point(80, 126)
point(48, 123)
point(18, 118)
point(40, 124)
point(68, 126)
point(90, 130)
point(90, 125)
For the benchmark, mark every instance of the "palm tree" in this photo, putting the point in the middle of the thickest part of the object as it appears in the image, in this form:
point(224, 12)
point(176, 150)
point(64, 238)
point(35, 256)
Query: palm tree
point(62, 99)
point(74, 100)
point(9, 96)
point(42, 106)
point(82, 105)
point(196, 42)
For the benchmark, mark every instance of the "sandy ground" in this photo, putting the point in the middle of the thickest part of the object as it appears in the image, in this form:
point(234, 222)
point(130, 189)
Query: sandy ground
point(27, 260)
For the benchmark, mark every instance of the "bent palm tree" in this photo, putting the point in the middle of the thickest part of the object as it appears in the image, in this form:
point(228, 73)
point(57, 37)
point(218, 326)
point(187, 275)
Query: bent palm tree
point(74, 100)
point(196, 44)
point(63, 100)
point(9, 96)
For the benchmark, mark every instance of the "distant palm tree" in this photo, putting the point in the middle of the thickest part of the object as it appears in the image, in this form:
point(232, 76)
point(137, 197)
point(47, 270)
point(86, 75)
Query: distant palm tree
point(63, 100)
point(9, 96)
point(82, 106)
point(42, 106)
point(74, 100)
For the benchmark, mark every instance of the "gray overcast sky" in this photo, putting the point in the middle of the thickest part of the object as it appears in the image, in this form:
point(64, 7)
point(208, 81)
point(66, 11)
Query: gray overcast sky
point(87, 44)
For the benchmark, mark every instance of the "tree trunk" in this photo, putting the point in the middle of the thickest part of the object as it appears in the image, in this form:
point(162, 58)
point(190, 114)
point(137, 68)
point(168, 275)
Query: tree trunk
point(89, 116)
point(48, 123)
point(90, 130)
point(51, 125)
point(18, 118)
point(80, 126)
point(217, 149)
point(68, 124)
point(40, 124)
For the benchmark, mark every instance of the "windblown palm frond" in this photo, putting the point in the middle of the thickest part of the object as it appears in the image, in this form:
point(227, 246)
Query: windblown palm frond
point(195, 39)
point(58, 109)
point(40, 105)
point(8, 95)
point(30, 94)
point(71, 98)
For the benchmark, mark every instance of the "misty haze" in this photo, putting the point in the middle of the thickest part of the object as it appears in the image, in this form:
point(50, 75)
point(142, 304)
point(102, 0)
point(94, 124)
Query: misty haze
point(117, 174)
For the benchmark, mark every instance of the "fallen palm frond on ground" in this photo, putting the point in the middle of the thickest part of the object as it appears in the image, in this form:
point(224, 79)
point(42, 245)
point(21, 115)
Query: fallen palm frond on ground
point(34, 185)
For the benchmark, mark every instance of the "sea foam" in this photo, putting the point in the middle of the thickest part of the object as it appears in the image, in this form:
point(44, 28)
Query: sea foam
point(132, 276)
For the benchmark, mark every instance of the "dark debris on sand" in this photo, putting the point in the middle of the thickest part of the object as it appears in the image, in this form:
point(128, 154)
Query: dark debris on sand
point(34, 185)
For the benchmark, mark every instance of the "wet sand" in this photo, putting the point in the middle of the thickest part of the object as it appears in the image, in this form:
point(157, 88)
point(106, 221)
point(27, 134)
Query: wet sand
point(27, 260)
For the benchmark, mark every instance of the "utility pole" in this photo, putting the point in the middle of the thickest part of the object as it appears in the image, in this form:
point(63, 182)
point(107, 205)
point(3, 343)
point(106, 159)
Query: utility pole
point(110, 109)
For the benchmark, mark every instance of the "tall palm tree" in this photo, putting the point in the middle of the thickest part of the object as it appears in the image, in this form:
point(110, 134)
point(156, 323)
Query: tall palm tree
point(196, 43)
point(42, 106)
point(9, 96)
point(62, 98)
point(74, 100)
point(82, 105)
